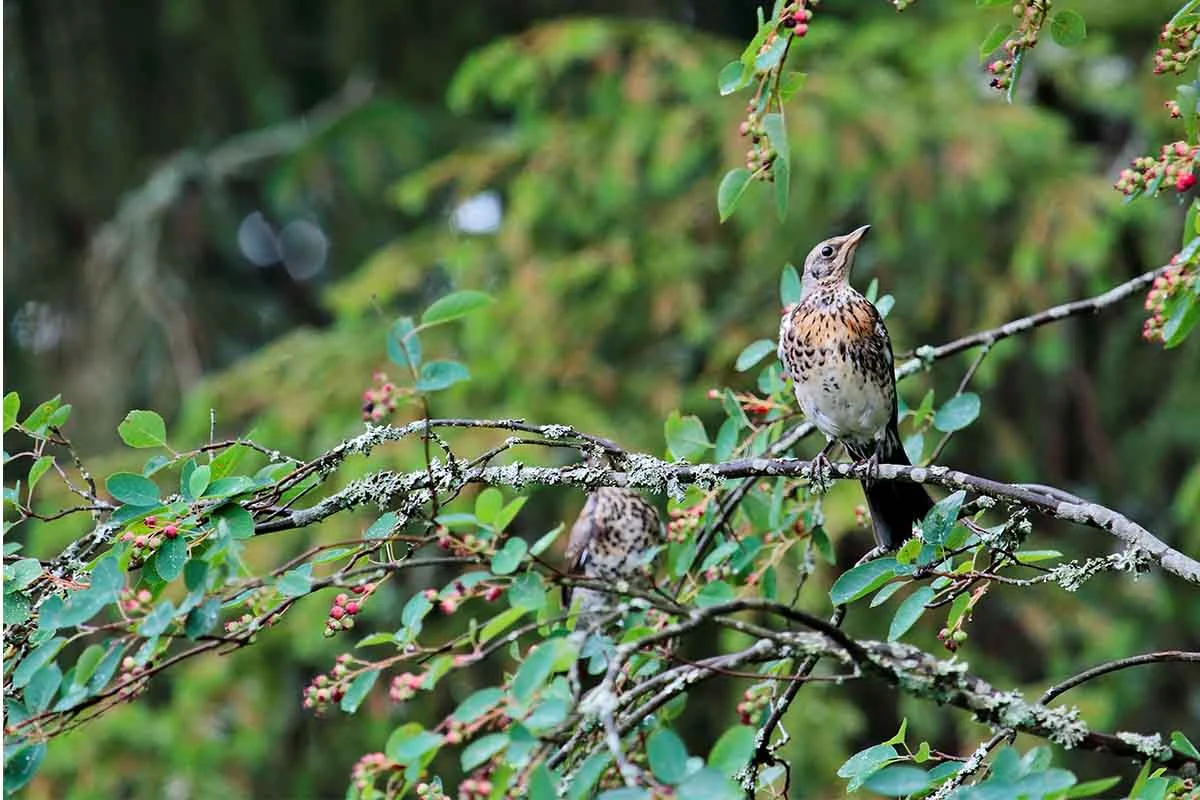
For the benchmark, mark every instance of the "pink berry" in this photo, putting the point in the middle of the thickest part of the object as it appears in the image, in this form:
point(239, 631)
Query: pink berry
point(337, 612)
point(170, 531)
point(341, 599)
point(352, 607)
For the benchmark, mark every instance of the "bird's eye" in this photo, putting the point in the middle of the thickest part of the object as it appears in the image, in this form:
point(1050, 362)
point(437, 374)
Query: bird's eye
point(826, 252)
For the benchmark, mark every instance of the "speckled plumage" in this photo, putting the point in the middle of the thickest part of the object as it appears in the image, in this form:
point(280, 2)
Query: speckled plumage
point(610, 540)
point(835, 348)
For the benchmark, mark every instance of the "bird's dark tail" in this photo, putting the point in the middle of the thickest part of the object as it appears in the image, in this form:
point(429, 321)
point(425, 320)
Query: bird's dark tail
point(894, 505)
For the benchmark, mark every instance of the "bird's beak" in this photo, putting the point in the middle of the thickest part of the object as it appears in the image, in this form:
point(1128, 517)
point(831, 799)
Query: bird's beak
point(853, 237)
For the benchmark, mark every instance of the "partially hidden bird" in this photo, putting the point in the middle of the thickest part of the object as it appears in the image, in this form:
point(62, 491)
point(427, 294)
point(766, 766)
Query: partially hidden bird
point(835, 348)
point(611, 541)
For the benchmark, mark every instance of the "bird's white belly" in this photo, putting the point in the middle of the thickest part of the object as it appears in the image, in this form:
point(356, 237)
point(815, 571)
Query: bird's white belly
point(843, 404)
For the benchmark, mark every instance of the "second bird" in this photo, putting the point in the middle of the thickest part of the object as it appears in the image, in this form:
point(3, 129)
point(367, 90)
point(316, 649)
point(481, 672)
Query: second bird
point(835, 348)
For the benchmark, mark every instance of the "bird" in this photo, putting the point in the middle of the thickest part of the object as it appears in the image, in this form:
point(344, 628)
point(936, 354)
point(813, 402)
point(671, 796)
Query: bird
point(611, 540)
point(836, 350)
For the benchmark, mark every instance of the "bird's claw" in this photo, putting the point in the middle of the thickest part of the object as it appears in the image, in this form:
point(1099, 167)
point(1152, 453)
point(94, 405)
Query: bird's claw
point(819, 472)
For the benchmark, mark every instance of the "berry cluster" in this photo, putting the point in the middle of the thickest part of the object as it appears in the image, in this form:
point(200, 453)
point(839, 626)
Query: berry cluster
point(344, 609)
point(432, 791)
point(1031, 16)
point(259, 602)
point(325, 690)
point(136, 602)
point(683, 521)
point(404, 687)
point(1180, 276)
point(1179, 48)
point(952, 636)
point(144, 544)
point(755, 700)
point(379, 401)
point(132, 679)
point(474, 789)
point(1175, 166)
point(368, 769)
point(793, 21)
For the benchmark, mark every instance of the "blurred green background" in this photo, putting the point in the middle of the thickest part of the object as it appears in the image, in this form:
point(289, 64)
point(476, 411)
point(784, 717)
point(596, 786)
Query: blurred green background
point(223, 205)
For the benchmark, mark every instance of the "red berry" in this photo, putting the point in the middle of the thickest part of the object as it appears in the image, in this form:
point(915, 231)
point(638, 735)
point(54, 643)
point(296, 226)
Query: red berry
point(170, 531)
point(341, 599)
point(151, 522)
point(352, 607)
point(337, 612)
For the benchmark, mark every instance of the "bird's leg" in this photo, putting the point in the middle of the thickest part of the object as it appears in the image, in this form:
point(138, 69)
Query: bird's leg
point(818, 474)
point(871, 462)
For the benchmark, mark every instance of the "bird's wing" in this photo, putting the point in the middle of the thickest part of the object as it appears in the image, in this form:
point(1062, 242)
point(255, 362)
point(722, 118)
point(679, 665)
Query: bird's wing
point(581, 535)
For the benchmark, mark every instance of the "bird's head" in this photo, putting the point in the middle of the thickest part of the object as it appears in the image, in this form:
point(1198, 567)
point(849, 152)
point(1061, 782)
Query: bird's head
point(831, 260)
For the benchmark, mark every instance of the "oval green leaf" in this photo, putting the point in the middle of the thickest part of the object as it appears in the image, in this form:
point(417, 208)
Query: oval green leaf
point(862, 580)
point(143, 429)
point(453, 306)
point(730, 191)
point(909, 612)
point(754, 353)
point(126, 487)
point(957, 413)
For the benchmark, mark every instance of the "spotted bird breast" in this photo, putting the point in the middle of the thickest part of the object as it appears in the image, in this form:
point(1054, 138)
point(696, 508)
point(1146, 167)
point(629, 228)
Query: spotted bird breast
point(836, 349)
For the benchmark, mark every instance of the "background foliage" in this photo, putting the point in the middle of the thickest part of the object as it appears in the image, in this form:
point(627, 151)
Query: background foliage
point(619, 297)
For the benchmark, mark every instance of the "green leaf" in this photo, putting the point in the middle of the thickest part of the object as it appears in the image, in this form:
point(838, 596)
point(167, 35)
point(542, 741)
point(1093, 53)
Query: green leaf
point(126, 487)
point(143, 429)
point(410, 742)
point(1092, 788)
point(941, 518)
point(754, 353)
point(957, 413)
point(587, 775)
point(862, 580)
point(438, 375)
point(898, 780)
point(534, 671)
point(200, 620)
point(527, 592)
point(686, 437)
point(781, 185)
point(994, 40)
point(1067, 28)
point(1184, 745)
point(772, 56)
point(488, 505)
point(36, 421)
point(508, 558)
point(478, 704)
point(357, 691)
point(773, 126)
point(482, 749)
point(12, 407)
point(543, 783)
point(500, 623)
point(16, 608)
point(1039, 784)
point(198, 481)
point(382, 527)
point(667, 756)
point(1184, 313)
point(157, 620)
point(507, 514)
point(37, 659)
point(730, 191)
point(38, 470)
point(41, 688)
point(900, 735)
point(790, 84)
point(708, 784)
point(295, 582)
point(19, 575)
point(1034, 556)
point(790, 291)
point(234, 521)
point(453, 306)
point(733, 750)
point(170, 558)
point(415, 610)
point(546, 539)
point(403, 345)
point(714, 593)
point(21, 766)
point(733, 76)
point(1018, 68)
point(909, 612)
point(230, 486)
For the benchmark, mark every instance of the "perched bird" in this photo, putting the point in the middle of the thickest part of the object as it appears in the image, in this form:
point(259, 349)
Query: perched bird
point(835, 348)
point(610, 541)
